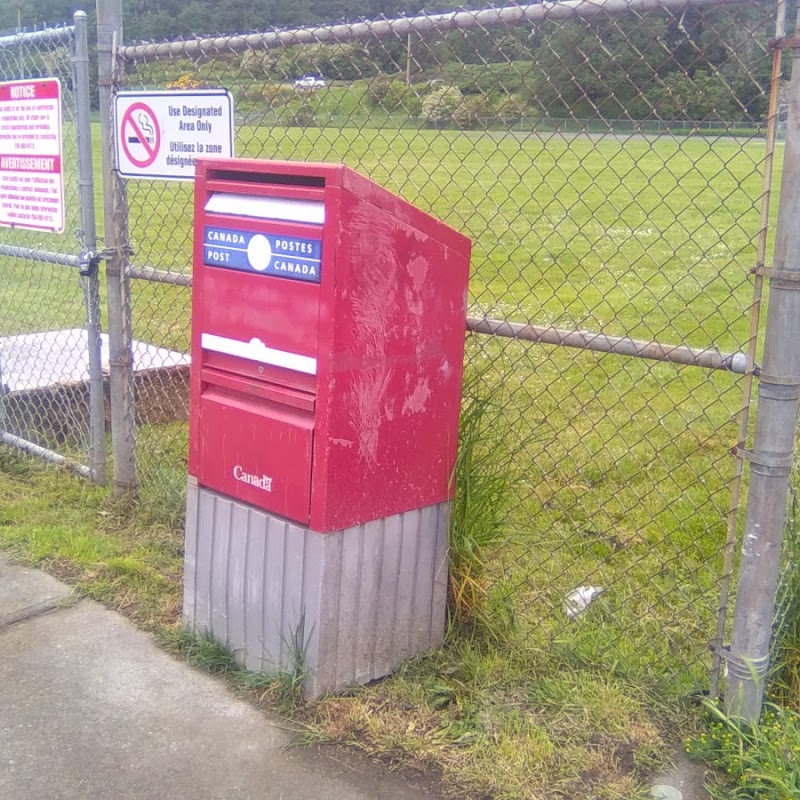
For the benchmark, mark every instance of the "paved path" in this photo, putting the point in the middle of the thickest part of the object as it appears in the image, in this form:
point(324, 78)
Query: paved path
point(92, 709)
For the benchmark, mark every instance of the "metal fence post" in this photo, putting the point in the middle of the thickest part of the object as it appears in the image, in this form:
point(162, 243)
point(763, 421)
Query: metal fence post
point(109, 36)
point(2, 401)
point(773, 445)
point(89, 277)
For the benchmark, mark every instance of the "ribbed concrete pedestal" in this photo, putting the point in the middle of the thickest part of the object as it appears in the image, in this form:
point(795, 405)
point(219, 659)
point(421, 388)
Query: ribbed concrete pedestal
point(351, 606)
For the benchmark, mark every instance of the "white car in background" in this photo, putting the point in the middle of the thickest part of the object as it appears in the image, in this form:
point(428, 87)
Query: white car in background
point(309, 82)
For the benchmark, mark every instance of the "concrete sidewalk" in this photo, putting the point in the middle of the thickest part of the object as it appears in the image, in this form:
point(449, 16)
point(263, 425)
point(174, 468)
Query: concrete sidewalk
point(91, 708)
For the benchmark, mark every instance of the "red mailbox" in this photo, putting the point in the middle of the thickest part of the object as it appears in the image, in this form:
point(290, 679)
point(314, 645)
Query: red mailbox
point(327, 343)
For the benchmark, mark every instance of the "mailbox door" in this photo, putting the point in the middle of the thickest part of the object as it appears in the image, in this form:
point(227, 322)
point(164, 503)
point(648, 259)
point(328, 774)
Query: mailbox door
point(256, 450)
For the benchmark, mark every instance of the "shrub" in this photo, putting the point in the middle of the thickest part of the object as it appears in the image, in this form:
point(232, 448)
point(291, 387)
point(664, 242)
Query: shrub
point(378, 88)
point(184, 82)
point(277, 94)
point(439, 105)
point(253, 63)
point(300, 112)
point(505, 78)
point(512, 108)
point(472, 112)
point(302, 117)
point(392, 94)
point(402, 97)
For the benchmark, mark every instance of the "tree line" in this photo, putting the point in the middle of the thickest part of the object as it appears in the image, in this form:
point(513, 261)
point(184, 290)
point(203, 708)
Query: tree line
point(692, 65)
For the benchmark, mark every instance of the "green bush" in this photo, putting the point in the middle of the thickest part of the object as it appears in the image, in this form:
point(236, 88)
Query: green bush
point(511, 108)
point(277, 94)
point(402, 97)
point(391, 94)
point(702, 95)
point(501, 78)
point(439, 105)
point(472, 112)
point(785, 680)
point(338, 62)
point(301, 112)
point(378, 88)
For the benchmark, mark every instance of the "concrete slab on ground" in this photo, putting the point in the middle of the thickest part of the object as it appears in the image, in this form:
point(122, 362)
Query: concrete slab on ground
point(60, 358)
point(27, 592)
point(92, 709)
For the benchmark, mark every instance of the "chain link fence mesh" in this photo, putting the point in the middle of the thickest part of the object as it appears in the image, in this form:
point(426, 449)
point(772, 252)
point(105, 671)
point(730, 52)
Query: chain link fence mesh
point(608, 166)
point(44, 361)
point(785, 681)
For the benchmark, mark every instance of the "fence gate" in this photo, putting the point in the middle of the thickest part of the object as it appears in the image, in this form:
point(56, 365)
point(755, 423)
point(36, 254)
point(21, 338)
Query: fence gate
point(51, 374)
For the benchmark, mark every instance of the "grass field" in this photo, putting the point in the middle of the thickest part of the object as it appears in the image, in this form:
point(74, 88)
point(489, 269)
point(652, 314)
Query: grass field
point(620, 466)
point(638, 236)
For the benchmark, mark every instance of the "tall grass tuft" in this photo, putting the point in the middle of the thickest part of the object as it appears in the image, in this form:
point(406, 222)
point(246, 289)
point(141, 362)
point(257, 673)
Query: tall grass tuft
point(756, 762)
point(482, 491)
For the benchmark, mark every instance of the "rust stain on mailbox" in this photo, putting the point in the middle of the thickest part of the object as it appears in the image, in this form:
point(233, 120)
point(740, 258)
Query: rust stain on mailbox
point(328, 337)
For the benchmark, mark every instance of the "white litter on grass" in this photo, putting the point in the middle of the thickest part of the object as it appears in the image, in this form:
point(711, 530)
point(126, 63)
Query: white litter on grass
point(578, 600)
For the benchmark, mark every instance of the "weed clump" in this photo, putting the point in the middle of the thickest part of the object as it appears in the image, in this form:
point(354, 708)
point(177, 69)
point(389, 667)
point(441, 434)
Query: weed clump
point(483, 487)
point(760, 761)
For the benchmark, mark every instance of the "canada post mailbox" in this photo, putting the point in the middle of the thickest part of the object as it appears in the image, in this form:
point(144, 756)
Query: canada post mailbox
point(327, 344)
point(328, 321)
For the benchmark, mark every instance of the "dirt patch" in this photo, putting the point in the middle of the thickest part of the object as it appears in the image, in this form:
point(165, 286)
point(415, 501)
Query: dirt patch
point(65, 570)
point(686, 776)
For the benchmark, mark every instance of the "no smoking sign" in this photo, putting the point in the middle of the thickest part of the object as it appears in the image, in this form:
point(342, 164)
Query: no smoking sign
point(141, 135)
point(161, 134)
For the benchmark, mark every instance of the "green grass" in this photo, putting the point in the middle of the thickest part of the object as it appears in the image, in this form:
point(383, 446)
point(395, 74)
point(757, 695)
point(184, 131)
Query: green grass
point(646, 237)
point(758, 762)
point(785, 679)
point(68, 527)
point(483, 489)
point(762, 761)
point(509, 724)
point(621, 465)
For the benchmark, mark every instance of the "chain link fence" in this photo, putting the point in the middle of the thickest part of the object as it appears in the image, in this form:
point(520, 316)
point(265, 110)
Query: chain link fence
point(612, 165)
point(51, 384)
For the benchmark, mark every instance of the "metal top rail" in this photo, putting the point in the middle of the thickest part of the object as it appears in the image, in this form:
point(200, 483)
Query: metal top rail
point(402, 26)
point(47, 36)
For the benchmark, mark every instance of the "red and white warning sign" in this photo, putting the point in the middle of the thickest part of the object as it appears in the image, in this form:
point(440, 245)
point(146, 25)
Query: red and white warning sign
point(31, 178)
point(160, 134)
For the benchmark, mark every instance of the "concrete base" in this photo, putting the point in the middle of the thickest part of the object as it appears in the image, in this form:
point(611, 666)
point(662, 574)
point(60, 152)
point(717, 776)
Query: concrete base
point(44, 385)
point(345, 607)
point(31, 361)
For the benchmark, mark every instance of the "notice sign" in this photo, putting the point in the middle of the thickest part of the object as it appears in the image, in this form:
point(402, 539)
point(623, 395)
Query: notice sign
point(31, 180)
point(161, 134)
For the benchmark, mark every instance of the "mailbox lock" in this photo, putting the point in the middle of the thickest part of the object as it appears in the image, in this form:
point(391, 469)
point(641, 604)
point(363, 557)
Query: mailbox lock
point(261, 368)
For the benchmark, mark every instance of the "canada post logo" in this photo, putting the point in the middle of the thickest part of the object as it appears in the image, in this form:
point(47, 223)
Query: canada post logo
point(263, 253)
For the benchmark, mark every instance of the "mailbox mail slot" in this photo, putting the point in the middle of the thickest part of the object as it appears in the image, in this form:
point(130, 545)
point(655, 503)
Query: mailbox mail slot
point(327, 343)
